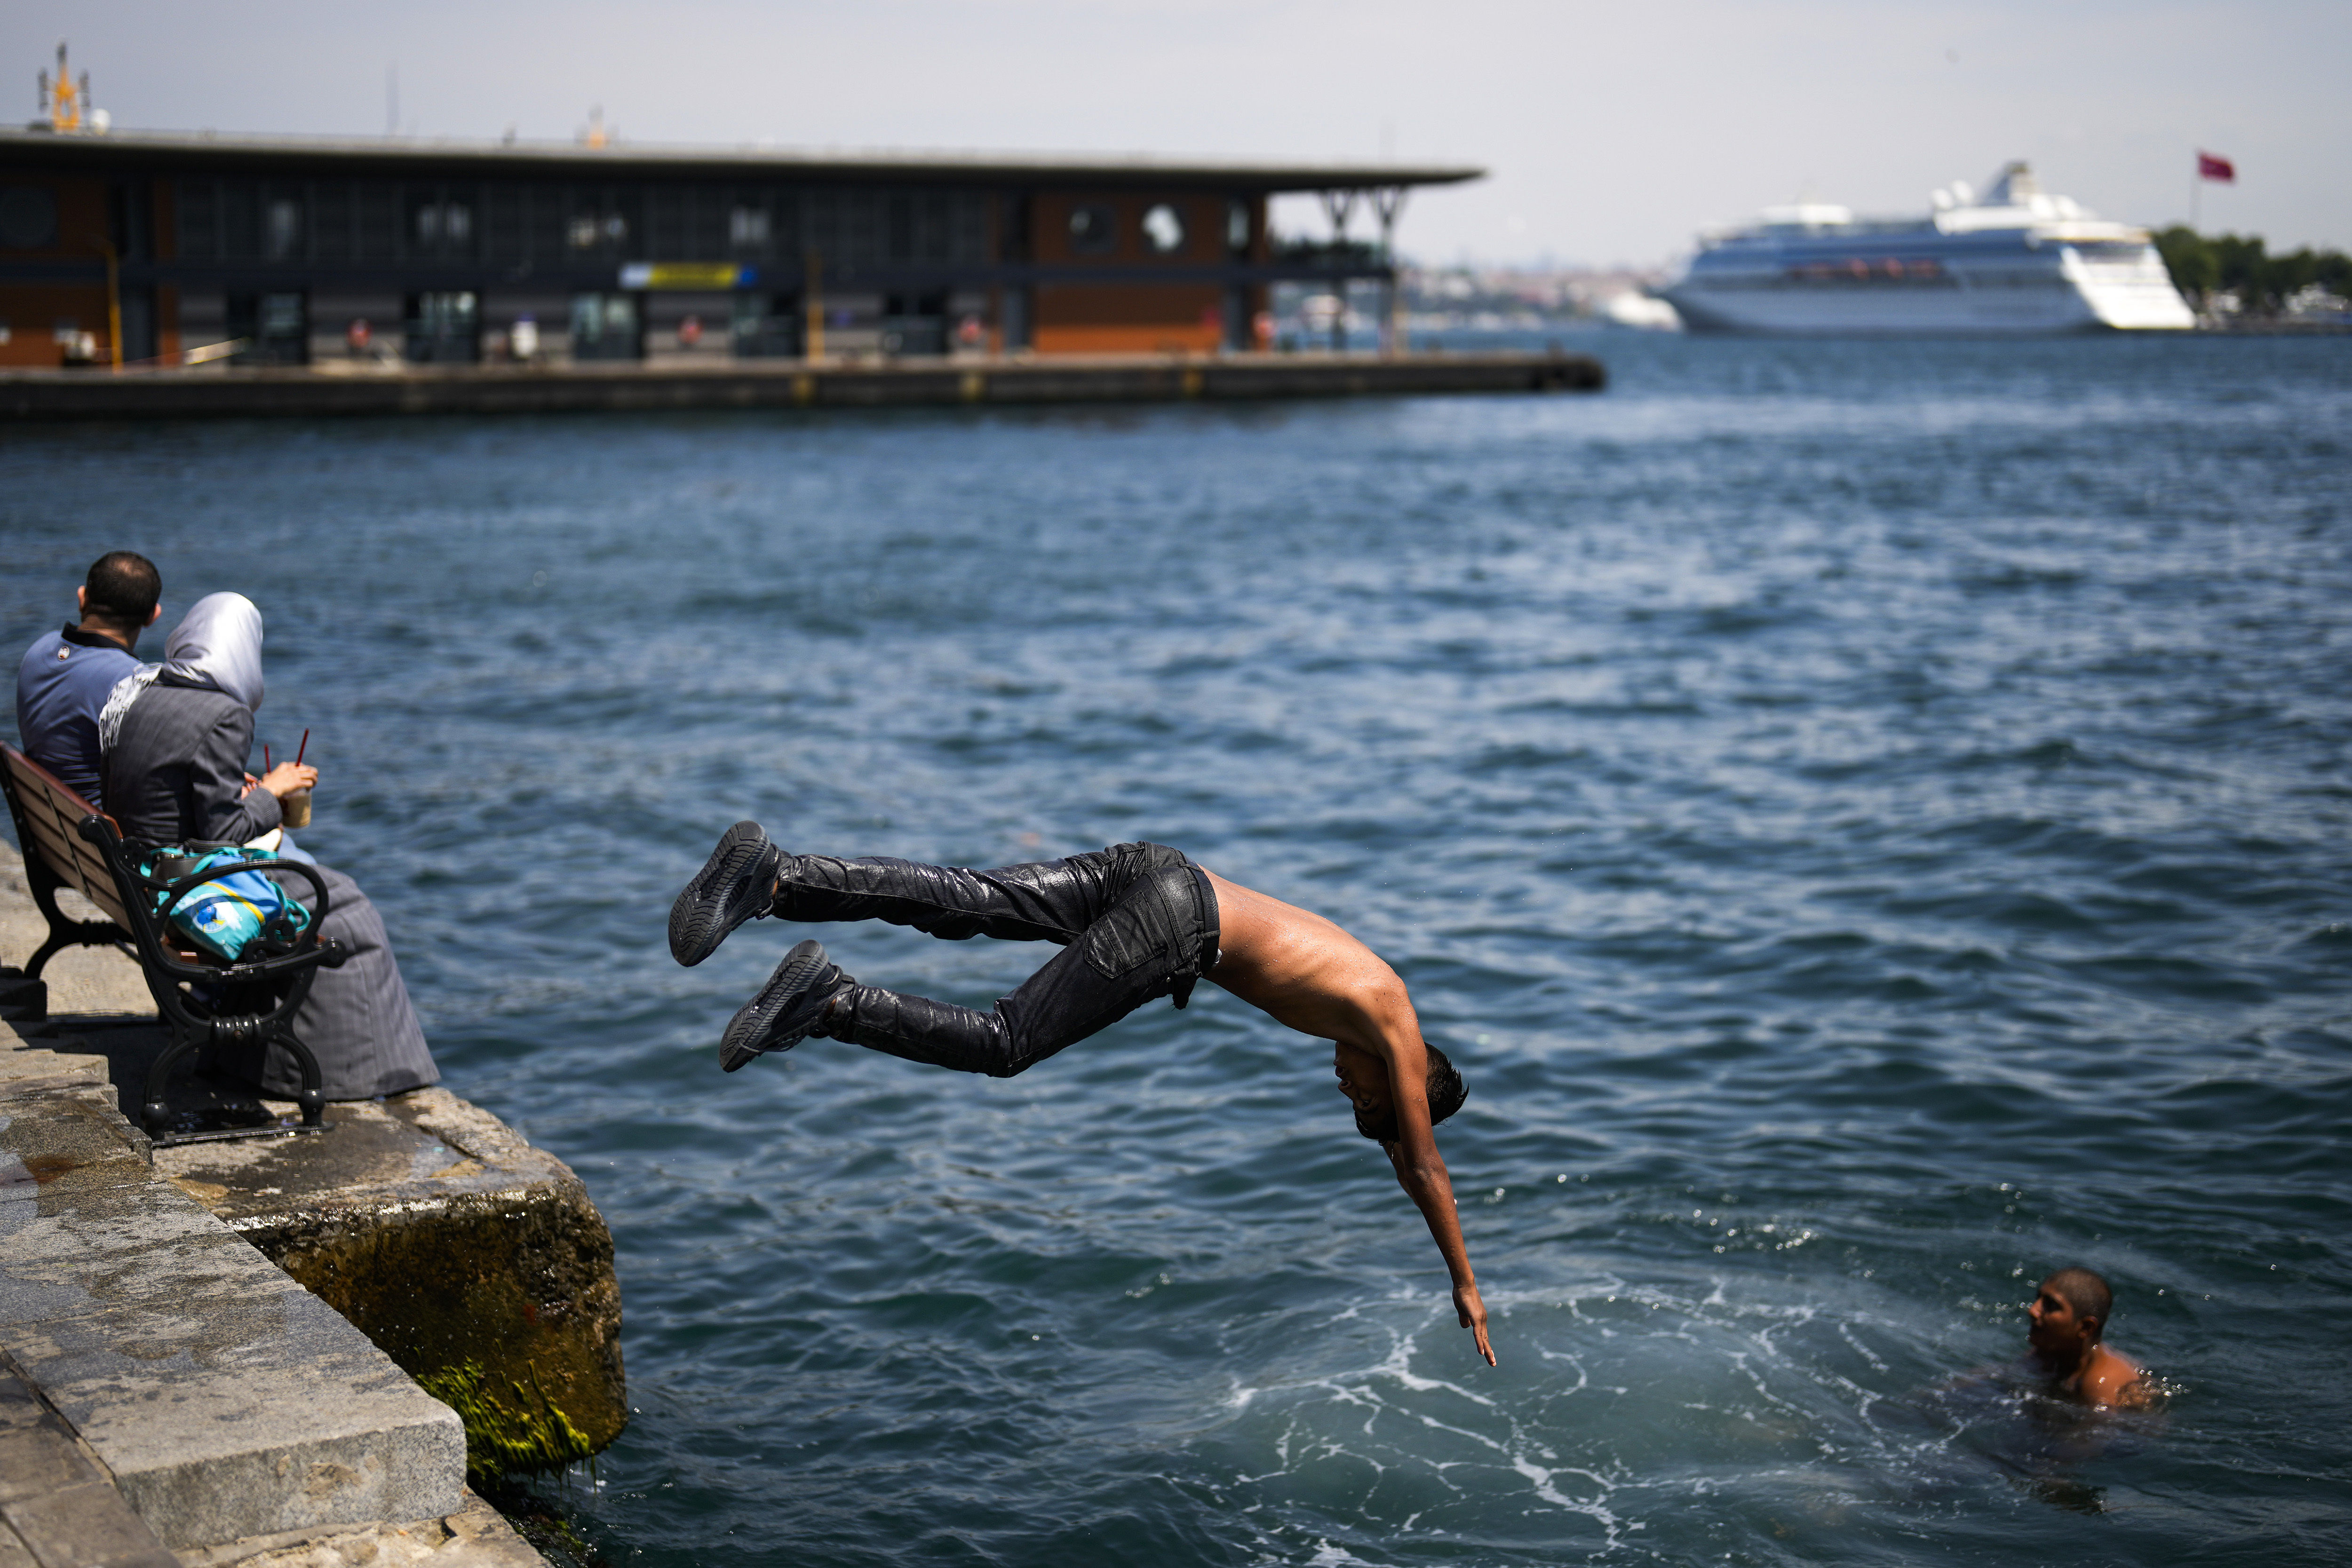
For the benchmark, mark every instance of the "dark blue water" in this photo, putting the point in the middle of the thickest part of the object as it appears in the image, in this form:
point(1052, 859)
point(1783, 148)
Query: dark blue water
point(1871, 821)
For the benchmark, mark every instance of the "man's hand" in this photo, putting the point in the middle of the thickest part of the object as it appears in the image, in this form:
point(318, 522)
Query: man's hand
point(288, 777)
point(1473, 1313)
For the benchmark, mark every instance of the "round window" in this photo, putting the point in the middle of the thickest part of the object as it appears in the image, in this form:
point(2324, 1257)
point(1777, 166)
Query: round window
point(28, 217)
point(1164, 228)
point(1092, 230)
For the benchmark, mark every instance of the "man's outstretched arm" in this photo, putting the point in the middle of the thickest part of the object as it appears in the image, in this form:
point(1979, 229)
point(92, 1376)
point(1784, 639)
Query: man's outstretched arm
point(1421, 1171)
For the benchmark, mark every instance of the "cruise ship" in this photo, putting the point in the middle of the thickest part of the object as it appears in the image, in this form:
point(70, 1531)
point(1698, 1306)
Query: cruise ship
point(2020, 261)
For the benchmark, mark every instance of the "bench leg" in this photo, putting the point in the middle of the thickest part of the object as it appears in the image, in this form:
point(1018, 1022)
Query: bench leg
point(65, 934)
point(155, 1114)
point(311, 1100)
point(56, 944)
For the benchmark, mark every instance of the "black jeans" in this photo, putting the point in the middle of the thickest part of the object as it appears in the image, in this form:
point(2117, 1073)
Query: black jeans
point(1135, 923)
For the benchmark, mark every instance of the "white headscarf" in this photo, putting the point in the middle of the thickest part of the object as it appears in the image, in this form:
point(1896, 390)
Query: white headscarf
point(218, 643)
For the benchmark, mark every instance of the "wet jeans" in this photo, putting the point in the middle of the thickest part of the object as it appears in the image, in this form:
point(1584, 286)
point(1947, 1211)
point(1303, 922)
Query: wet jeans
point(1135, 923)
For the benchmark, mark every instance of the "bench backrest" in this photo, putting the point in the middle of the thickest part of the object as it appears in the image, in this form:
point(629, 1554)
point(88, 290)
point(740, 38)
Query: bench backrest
point(50, 817)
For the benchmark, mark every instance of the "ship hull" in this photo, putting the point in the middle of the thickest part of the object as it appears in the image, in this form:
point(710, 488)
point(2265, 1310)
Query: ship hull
point(1921, 279)
point(2006, 308)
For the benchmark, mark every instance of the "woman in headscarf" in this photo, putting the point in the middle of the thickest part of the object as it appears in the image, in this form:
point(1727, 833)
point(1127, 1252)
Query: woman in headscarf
point(174, 739)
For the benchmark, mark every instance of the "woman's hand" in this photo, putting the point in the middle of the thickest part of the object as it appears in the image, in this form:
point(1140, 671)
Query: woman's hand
point(288, 777)
point(1473, 1313)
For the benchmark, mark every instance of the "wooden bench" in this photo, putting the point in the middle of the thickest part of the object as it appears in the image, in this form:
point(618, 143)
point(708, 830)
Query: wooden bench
point(68, 844)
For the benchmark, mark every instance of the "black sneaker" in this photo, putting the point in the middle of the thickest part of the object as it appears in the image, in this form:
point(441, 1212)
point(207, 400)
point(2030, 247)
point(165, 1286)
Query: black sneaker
point(788, 1008)
point(737, 883)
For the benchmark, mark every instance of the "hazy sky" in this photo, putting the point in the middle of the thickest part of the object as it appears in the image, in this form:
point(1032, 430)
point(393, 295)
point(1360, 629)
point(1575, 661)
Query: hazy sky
point(1613, 131)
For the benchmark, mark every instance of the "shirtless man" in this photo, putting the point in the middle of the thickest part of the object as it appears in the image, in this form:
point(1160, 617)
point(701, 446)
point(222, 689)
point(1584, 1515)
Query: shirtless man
point(1135, 921)
point(2065, 1320)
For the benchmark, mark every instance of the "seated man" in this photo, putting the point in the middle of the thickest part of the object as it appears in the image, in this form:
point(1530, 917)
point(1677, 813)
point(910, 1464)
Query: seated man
point(1136, 922)
point(63, 683)
point(2066, 1320)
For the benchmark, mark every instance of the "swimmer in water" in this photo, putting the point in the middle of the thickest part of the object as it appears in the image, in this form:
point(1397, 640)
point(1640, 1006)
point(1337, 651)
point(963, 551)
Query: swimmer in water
point(2065, 1322)
point(1135, 923)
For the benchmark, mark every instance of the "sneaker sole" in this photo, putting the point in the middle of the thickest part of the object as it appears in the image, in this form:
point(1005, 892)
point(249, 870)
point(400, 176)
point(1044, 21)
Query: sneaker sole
point(697, 920)
point(753, 1021)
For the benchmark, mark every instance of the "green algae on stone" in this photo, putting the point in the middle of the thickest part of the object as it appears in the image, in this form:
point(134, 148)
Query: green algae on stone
point(476, 1262)
point(525, 1430)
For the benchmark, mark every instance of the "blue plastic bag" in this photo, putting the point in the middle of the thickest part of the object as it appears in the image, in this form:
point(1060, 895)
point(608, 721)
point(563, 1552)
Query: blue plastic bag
point(225, 915)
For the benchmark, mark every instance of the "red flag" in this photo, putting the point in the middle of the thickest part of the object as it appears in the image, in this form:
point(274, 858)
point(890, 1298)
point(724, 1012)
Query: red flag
point(2211, 168)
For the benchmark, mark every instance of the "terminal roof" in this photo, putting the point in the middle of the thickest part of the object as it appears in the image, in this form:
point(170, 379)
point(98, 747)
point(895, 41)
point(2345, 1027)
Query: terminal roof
point(397, 154)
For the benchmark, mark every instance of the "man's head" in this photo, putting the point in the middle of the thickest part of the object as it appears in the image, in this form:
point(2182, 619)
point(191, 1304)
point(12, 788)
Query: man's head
point(122, 594)
point(2068, 1312)
point(1364, 1080)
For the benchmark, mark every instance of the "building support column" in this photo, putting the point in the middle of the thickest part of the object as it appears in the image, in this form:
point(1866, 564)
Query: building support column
point(1340, 207)
point(1388, 203)
point(813, 303)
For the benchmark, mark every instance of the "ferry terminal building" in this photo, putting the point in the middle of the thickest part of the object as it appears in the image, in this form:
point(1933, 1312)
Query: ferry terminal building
point(144, 248)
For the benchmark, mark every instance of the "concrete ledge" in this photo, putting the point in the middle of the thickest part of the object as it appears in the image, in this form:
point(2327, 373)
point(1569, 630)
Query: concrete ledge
point(475, 1260)
point(225, 1400)
point(57, 1508)
point(725, 383)
point(473, 1537)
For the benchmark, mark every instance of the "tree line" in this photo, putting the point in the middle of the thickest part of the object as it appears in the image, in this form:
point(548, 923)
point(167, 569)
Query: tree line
point(2202, 263)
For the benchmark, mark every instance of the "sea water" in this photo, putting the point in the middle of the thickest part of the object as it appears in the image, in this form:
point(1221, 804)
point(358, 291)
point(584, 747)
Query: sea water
point(1869, 821)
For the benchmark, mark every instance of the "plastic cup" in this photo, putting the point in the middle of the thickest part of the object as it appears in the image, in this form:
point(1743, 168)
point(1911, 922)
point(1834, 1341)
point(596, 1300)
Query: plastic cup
point(294, 809)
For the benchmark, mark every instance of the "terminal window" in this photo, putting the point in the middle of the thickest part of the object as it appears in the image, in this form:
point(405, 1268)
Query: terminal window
point(282, 229)
point(28, 217)
point(589, 230)
point(1163, 229)
point(747, 228)
point(1094, 230)
point(443, 225)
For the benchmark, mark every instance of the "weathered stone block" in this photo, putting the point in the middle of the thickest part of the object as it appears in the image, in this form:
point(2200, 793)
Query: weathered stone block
point(226, 1400)
point(269, 1415)
point(475, 1260)
point(85, 1526)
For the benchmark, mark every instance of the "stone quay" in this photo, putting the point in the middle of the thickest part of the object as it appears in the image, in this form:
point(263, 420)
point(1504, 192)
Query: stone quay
point(284, 1350)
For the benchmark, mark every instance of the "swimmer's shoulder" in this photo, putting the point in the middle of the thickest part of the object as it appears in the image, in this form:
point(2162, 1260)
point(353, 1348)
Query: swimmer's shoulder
point(2116, 1379)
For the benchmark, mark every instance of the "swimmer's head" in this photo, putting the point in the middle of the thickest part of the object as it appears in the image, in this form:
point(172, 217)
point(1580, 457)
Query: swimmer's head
point(2069, 1310)
point(1365, 1082)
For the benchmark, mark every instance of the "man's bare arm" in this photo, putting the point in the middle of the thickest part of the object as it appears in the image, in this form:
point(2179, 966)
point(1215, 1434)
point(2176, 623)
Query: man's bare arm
point(1421, 1171)
point(1306, 973)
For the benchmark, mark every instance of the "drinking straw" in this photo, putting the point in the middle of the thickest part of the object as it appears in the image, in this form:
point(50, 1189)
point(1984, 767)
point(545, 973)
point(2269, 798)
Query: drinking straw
point(302, 748)
point(264, 757)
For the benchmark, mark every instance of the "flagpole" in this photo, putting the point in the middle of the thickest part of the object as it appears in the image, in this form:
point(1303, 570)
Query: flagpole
point(2196, 189)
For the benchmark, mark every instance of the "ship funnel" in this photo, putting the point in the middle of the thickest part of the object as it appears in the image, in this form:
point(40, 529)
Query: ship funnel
point(2015, 187)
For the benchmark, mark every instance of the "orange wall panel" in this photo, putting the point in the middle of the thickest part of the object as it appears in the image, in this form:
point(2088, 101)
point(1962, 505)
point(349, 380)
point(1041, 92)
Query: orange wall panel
point(33, 311)
point(1134, 318)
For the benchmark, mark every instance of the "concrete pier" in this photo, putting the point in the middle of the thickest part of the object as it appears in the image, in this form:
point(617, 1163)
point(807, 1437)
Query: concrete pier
point(338, 388)
point(168, 1392)
point(476, 1262)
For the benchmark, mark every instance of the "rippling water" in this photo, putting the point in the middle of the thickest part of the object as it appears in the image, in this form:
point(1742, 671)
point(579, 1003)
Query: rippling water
point(1871, 821)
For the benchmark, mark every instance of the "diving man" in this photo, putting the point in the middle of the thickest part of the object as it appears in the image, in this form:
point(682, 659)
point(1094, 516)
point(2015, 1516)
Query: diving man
point(1135, 923)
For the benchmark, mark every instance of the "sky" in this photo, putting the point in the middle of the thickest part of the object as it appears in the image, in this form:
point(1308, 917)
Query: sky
point(1612, 133)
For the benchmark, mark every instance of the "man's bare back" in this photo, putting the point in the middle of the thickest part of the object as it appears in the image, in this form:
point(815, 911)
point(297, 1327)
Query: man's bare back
point(1306, 973)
